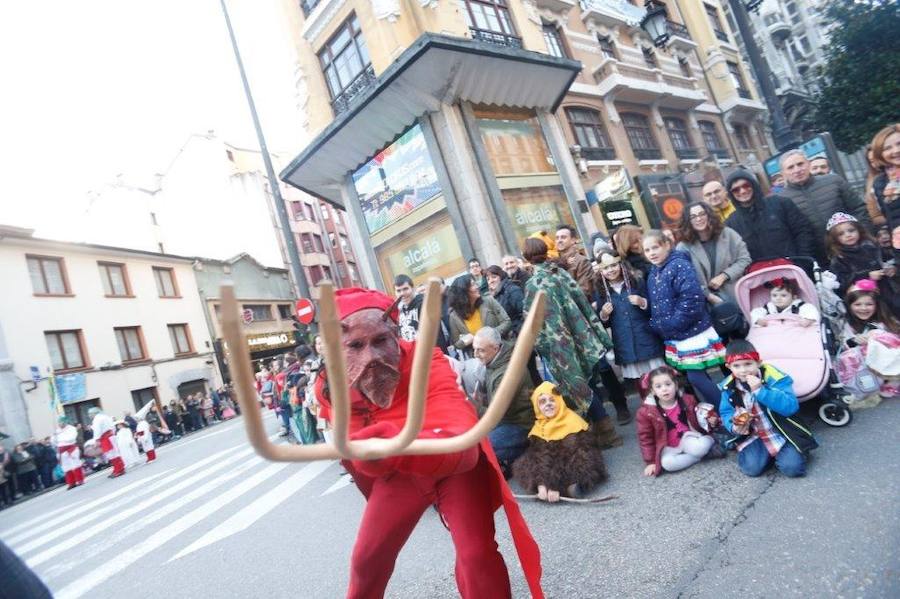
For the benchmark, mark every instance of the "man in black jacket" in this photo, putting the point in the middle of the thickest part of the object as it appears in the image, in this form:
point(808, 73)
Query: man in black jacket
point(772, 227)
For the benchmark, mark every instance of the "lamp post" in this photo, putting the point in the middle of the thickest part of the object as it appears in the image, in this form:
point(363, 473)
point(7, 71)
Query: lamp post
point(655, 23)
point(784, 136)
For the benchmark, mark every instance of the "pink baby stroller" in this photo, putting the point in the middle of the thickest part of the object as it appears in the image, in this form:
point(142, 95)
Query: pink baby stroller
point(800, 351)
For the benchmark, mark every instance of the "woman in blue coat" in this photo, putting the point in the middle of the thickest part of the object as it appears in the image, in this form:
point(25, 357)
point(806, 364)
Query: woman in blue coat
point(622, 306)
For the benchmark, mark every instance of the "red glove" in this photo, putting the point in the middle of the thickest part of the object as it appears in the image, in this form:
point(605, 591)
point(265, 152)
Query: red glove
point(437, 466)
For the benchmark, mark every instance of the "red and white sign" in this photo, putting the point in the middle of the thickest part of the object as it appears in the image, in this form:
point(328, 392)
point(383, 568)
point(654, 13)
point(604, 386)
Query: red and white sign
point(247, 315)
point(306, 311)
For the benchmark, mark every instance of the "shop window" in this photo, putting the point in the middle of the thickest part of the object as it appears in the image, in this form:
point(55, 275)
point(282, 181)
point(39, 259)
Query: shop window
point(553, 39)
point(606, 46)
point(165, 282)
point(66, 350)
point(77, 412)
point(180, 335)
point(637, 128)
point(590, 134)
point(344, 57)
point(114, 279)
point(261, 312)
point(48, 275)
point(131, 343)
point(285, 311)
point(141, 397)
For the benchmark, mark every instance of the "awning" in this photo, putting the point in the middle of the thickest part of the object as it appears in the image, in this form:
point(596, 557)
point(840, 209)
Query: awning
point(435, 69)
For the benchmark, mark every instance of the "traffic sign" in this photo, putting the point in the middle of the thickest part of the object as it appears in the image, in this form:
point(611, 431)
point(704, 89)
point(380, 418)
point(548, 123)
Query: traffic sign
point(306, 311)
point(247, 315)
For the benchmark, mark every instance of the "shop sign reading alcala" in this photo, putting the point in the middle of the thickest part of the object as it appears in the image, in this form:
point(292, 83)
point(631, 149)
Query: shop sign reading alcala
point(269, 341)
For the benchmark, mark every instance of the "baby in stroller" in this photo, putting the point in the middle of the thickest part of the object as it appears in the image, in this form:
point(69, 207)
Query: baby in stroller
point(784, 298)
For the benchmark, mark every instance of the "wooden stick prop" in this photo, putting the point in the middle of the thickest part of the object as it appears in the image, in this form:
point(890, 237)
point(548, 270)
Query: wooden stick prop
point(405, 443)
point(582, 500)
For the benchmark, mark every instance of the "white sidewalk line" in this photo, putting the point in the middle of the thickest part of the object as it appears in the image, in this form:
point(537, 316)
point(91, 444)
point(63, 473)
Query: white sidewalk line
point(41, 518)
point(80, 537)
point(32, 531)
point(259, 508)
point(124, 559)
point(120, 534)
point(338, 485)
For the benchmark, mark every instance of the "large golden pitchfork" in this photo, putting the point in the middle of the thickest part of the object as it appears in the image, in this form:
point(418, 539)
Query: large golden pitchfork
point(405, 443)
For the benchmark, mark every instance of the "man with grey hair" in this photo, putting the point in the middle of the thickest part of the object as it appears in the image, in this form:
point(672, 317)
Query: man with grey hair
point(819, 196)
point(516, 274)
point(510, 438)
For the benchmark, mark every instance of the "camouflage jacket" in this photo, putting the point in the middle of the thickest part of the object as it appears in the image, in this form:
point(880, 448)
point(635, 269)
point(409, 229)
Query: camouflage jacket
point(572, 339)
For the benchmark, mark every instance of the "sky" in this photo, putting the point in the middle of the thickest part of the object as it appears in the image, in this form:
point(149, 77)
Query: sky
point(95, 88)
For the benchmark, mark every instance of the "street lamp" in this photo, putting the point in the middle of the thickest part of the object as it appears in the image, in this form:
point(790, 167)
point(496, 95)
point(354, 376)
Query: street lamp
point(655, 23)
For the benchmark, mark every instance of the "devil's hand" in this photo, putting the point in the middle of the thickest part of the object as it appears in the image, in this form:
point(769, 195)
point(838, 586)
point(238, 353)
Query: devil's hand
point(437, 466)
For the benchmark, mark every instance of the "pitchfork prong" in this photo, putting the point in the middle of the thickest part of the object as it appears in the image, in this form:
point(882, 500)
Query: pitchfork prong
point(371, 449)
point(242, 371)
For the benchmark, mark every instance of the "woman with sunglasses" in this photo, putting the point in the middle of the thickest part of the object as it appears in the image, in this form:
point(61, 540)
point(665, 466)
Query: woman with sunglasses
point(772, 227)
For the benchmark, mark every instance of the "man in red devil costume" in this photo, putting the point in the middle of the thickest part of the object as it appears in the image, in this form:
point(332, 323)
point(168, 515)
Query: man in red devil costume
point(466, 487)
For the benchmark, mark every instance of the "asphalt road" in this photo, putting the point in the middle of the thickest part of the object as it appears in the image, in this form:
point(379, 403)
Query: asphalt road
point(208, 519)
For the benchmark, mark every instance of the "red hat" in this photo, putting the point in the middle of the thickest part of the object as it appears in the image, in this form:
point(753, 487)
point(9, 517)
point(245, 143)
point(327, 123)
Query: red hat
point(354, 299)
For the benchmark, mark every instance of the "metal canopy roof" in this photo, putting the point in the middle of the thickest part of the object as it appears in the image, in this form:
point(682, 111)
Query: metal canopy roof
point(436, 69)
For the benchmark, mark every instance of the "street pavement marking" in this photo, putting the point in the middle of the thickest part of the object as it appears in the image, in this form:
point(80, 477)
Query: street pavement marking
point(30, 532)
point(164, 509)
point(42, 517)
point(338, 485)
point(259, 508)
point(124, 559)
point(76, 539)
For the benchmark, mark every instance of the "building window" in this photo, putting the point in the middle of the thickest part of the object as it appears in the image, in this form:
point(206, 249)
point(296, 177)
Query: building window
point(261, 312)
point(297, 211)
point(804, 44)
point(165, 282)
point(342, 271)
point(310, 211)
point(115, 279)
point(650, 57)
point(285, 311)
point(326, 272)
point(141, 397)
point(48, 275)
point(606, 46)
point(711, 138)
point(678, 133)
point(737, 78)
point(742, 134)
point(713, 15)
point(345, 245)
point(587, 126)
point(685, 67)
point(306, 242)
point(317, 243)
point(131, 346)
point(66, 350)
point(637, 127)
point(326, 212)
point(315, 274)
point(554, 41)
point(488, 15)
point(344, 56)
point(180, 335)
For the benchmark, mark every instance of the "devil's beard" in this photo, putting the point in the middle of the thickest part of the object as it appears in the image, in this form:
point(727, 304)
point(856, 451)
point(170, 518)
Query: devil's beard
point(377, 383)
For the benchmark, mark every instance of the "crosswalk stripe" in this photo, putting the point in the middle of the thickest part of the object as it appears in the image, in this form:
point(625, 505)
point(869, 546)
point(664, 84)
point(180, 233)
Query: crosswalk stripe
point(259, 508)
point(78, 538)
point(69, 514)
point(338, 485)
point(14, 529)
point(159, 512)
point(124, 559)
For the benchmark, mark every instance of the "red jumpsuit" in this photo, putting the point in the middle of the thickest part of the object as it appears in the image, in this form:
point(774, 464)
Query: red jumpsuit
point(399, 489)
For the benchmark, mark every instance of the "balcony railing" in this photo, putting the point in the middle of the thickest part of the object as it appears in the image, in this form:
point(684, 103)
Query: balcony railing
point(494, 37)
point(744, 93)
point(678, 30)
point(648, 154)
point(307, 6)
point(598, 153)
point(721, 36)
point(687, 153)
point(720, 153)
point(357, 87)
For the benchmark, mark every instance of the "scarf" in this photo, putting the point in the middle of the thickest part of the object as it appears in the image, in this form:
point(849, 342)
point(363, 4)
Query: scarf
point(563, 424)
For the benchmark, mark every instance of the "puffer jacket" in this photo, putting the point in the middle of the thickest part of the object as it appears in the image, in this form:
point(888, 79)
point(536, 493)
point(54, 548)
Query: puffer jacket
point(772, 227)
point(633, 339)
point(819, 198)
point(652, 432)
point(677, 304)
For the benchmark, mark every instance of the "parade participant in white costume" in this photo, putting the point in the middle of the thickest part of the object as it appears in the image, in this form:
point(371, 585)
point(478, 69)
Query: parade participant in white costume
point(66, 440)
point(127, 447)
point(105, 432)
point(145, 438)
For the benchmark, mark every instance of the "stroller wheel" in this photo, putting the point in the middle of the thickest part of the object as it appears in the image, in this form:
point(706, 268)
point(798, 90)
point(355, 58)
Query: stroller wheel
point(835, 414)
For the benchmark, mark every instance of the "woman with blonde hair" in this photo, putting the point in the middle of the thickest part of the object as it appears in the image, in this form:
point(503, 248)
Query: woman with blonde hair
point(627, 240)
point(886, 186)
